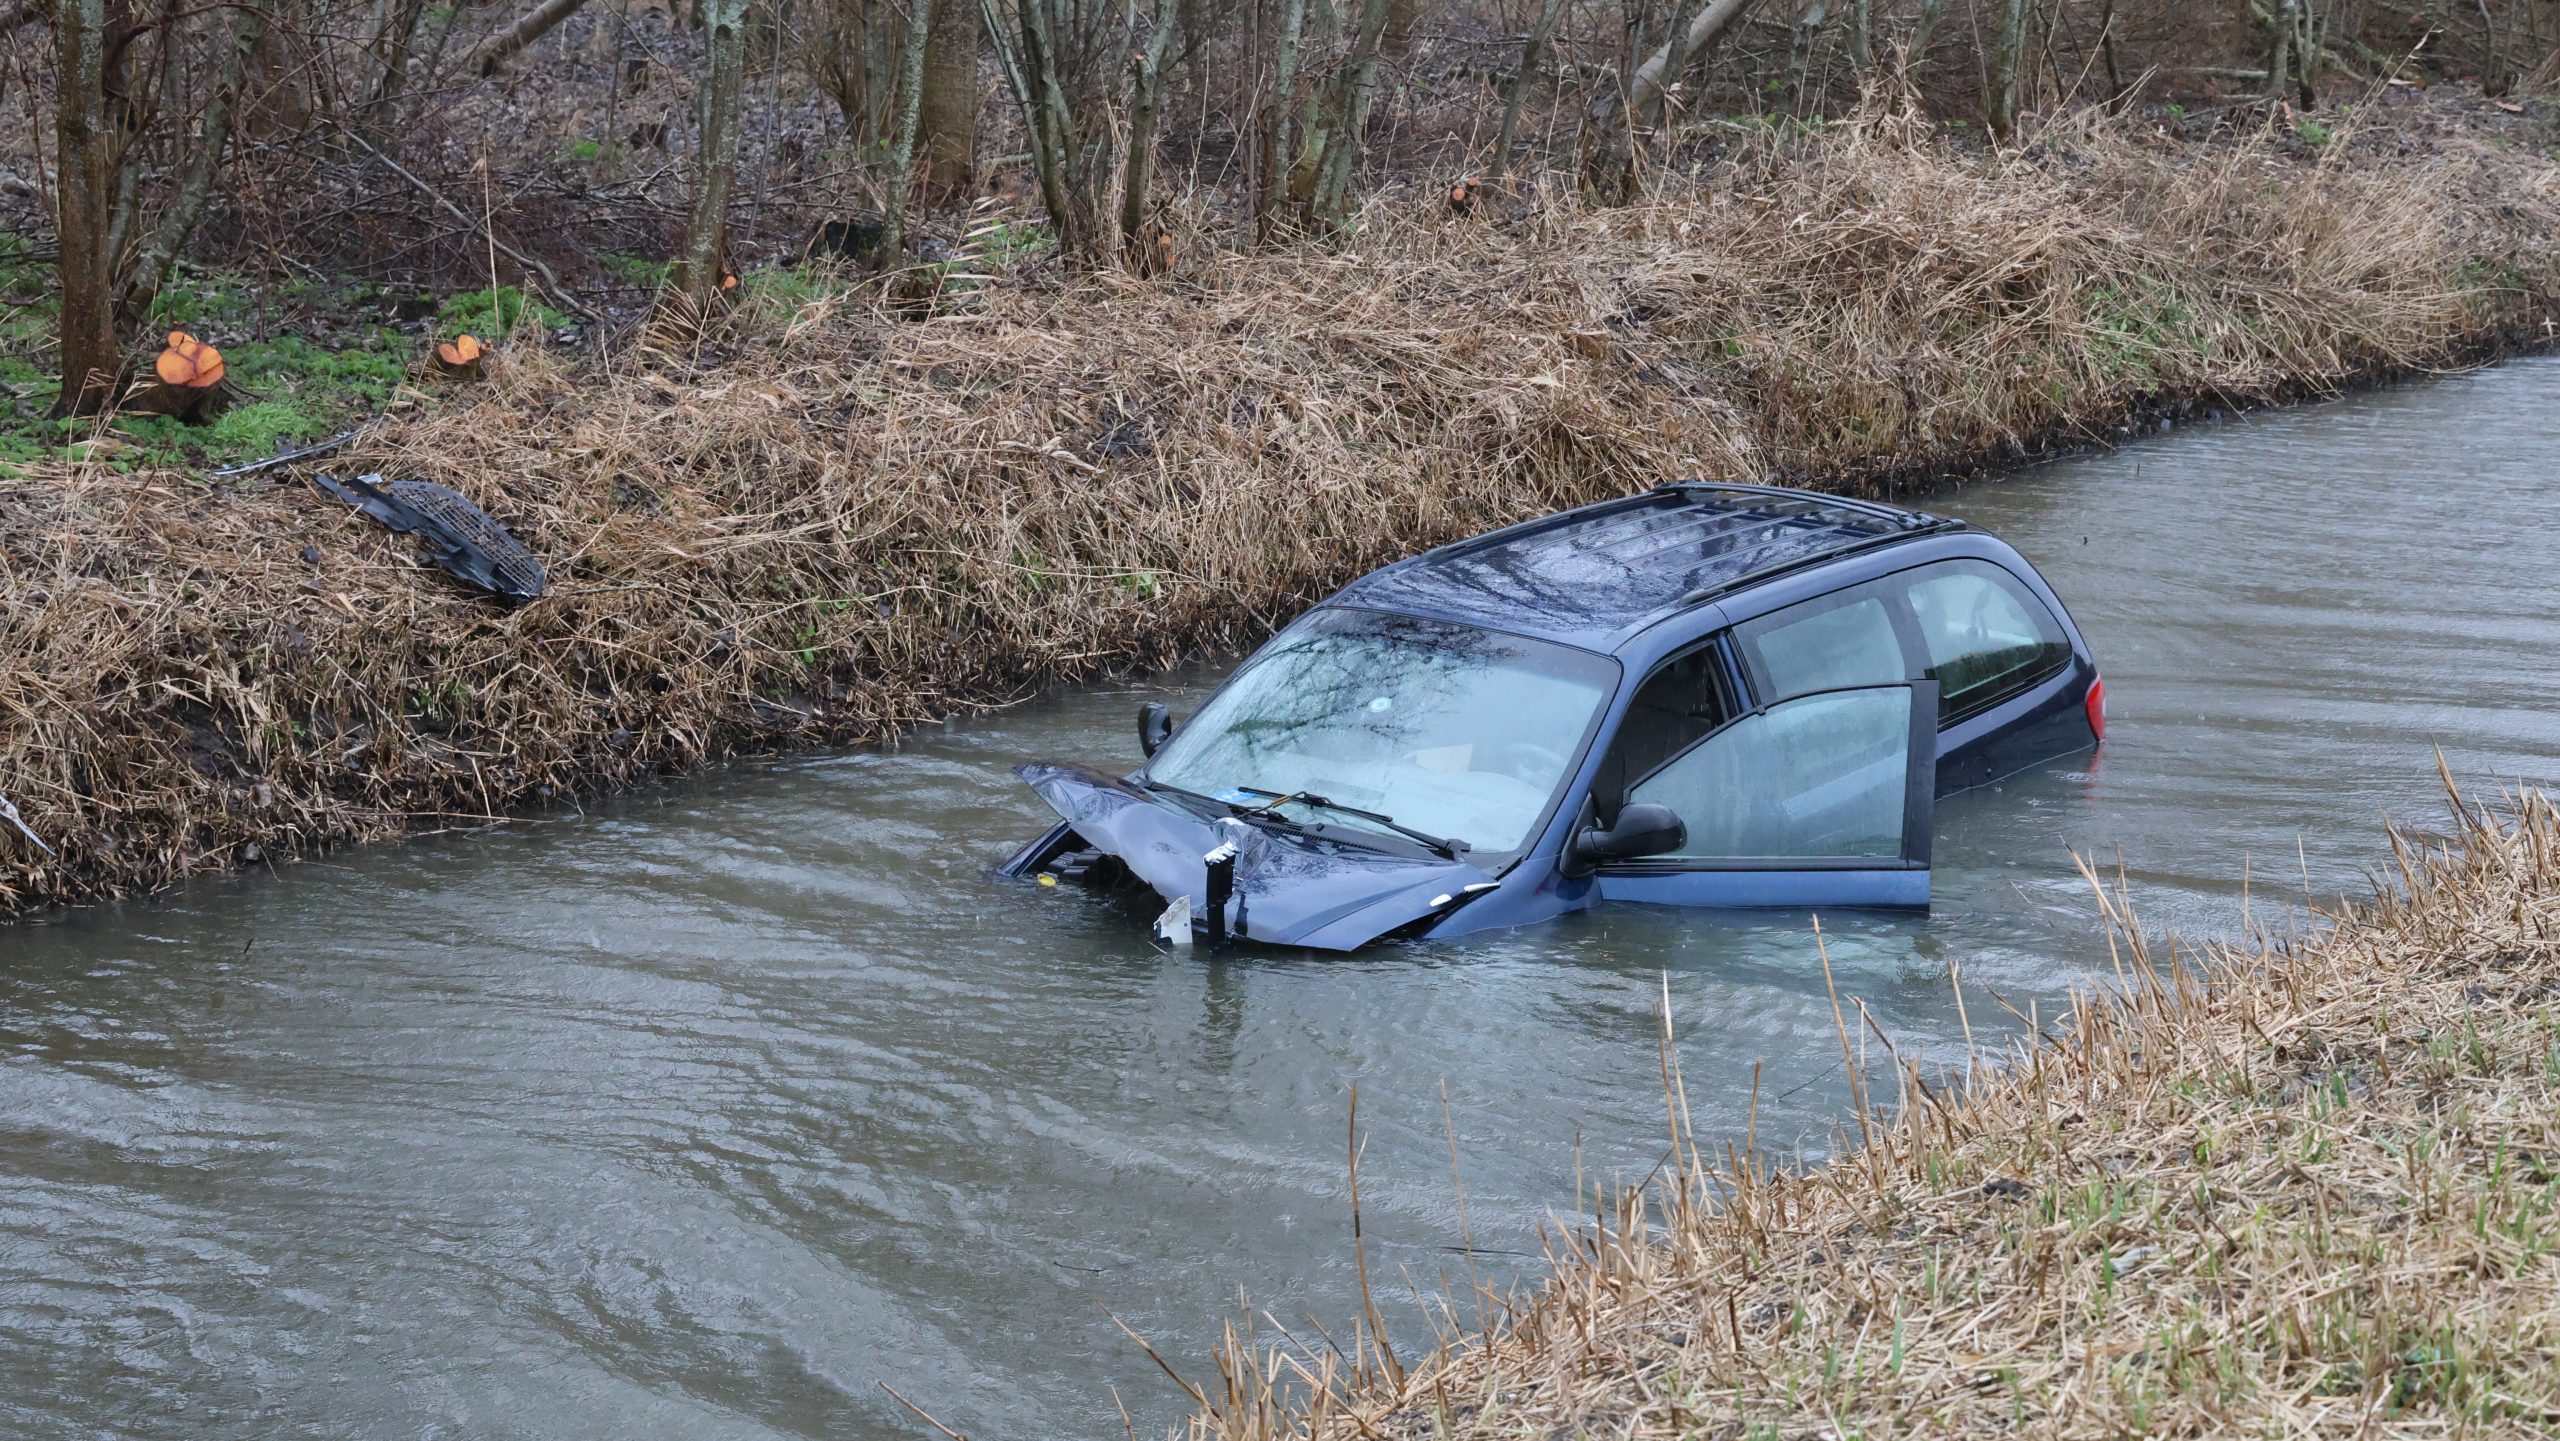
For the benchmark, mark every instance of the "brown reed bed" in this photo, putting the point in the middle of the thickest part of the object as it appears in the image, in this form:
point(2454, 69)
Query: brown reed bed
point(826, 518)
point(2297, 1189)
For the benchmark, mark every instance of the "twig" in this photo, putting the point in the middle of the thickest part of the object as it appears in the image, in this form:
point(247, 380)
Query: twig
point(927, 1416)
point(551, 285)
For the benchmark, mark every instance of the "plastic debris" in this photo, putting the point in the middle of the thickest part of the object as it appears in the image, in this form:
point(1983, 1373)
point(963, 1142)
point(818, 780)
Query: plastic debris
point(461, 537)
point(1174, 926)
point(9, 813)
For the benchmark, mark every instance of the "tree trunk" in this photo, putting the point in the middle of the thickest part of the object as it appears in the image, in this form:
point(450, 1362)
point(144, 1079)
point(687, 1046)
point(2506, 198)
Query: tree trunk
point(392, 48)
point(1530, 54)
point(1347, 118)
point(2008, 59)
point(902, 152)
point(2280, 49)
point(1680, 50)
point(1609, 166)
point(2309, 46)
point(213, 142)
point(87, 166)
point(1921, 31)
point(1648, 109)
point(1800, 61)
point(948, 124)
point(1146, 103)
point(537, 22)
point(1397, 40)
point(715, 167)
point(1275, 121)
point(1056, 158)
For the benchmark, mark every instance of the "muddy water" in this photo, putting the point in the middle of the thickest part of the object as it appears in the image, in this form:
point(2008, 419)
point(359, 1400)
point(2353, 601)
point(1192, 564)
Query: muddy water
point(703, 1116)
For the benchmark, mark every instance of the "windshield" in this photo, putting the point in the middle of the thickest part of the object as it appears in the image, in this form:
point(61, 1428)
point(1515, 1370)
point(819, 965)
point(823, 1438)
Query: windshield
point(1452, 730)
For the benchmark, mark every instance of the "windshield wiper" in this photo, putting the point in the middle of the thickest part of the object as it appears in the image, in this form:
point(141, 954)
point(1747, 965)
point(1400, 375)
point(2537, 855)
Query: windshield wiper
point(1160, 788)
point(1452, 849)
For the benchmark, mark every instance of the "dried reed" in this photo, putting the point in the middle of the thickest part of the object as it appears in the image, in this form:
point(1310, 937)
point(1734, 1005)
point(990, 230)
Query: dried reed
point(2300, 1189)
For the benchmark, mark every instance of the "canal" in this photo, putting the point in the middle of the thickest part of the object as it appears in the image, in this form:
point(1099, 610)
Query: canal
point(704, 1113)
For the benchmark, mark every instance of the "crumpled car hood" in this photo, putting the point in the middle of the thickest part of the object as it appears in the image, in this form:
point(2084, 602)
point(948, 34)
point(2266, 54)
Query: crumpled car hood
point(1286, 892)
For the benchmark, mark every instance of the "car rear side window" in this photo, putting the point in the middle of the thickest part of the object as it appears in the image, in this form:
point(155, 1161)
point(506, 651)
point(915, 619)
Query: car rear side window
point(1843, 639)
point(1985, 635)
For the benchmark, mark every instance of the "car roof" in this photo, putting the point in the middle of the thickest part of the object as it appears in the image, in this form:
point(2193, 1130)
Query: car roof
point(1592, 577)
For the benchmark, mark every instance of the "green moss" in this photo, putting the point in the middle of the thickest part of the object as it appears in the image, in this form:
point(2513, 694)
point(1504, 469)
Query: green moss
point(636, 270)
point(307, 358)
point(494, 314)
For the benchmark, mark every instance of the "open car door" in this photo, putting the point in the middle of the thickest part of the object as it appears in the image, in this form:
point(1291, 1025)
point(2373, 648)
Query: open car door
point(1821, 799)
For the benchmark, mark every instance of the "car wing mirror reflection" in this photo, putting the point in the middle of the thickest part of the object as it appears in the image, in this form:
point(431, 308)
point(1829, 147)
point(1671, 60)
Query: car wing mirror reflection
point(1155, 727)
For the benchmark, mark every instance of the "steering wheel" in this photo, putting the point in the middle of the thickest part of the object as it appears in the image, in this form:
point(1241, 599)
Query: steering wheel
point(1523, 760)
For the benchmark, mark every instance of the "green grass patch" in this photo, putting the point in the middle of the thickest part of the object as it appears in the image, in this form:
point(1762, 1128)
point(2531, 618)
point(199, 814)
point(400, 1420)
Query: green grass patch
point(306, 359)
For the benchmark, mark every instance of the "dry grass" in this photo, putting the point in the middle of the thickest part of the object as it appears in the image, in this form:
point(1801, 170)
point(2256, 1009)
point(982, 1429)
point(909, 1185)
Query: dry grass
point(2280, 1190)
point(826, 522)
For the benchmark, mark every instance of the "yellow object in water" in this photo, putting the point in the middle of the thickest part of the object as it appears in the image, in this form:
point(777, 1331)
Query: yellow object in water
point(1047, 879)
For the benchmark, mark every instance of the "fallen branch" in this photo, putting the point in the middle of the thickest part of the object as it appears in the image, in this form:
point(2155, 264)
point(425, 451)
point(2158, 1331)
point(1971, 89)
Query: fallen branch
point(503, 46)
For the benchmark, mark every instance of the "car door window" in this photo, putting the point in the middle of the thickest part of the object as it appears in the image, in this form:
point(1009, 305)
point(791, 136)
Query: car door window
point(1986, 637)
point(1822, 777)
point(1677, 706)
point(1844, 639)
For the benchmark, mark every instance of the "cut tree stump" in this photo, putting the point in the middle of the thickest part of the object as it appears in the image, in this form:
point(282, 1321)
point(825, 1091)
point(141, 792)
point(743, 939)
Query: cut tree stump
point(187, 380)
point(460, 357)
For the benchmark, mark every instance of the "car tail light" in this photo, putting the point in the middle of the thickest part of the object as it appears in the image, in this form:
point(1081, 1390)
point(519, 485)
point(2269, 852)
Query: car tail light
point(2097, 704)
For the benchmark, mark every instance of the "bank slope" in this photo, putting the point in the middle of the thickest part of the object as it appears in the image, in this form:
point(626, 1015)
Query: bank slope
point(2302, 1189)
point(827, 519)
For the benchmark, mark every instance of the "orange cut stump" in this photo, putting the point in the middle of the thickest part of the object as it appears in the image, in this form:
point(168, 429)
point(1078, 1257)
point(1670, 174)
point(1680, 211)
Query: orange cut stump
point(188, 363)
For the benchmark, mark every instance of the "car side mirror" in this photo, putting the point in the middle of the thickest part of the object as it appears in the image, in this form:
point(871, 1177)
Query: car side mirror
point(1642, 830)
point(1155, 727)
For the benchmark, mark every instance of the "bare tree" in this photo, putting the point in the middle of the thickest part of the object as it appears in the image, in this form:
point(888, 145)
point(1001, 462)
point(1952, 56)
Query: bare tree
point(1059, 161)
point(391, 52)
point(150, 270)
point(1518, 91)
point(1280, 105)
point(948, 120)
point(2008, 60)
point(1146, 104)
point(715, 166)
point(89, 151)
point(2282, 25)
point(1619, 114)
point(1333, 143)
point(902, 152)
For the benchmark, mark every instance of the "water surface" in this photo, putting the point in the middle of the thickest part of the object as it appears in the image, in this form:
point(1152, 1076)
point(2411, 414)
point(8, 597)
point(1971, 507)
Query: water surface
point(703, 1115)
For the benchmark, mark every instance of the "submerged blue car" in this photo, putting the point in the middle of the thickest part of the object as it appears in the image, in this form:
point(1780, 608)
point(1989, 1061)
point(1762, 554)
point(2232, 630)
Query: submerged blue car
point(1704, 695)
